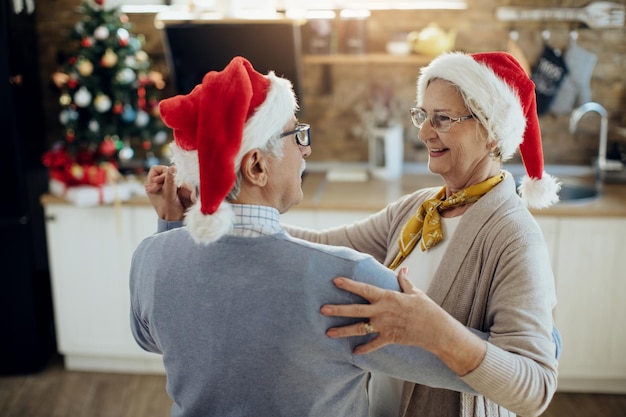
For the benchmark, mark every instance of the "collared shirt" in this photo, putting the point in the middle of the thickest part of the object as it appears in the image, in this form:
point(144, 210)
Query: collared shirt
point(255, 221)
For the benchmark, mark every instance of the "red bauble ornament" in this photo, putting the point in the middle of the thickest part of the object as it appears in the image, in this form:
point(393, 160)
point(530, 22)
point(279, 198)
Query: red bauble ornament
point(86, 42)
point(123, 42)
point(107, 147)
point(147, 145)
point(72, 83)
point(99, 2)
point(72, 60)
point(118, 108)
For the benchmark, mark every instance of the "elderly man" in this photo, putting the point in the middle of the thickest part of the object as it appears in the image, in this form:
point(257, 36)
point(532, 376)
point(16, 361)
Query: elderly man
point(231, 301)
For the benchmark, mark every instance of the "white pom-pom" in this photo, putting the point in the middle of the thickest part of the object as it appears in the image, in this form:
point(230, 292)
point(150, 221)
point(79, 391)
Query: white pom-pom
point(540, 193)
point(187, 168)
point(204, 228)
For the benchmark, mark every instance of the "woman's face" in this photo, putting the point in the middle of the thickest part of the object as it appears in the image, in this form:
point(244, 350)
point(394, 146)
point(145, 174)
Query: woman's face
point(460, 155)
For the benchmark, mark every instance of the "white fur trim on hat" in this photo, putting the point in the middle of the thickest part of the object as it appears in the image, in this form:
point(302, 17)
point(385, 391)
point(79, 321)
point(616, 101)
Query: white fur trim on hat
point(539, 193)
point(204, 228)
point(270, 117)
point(497, 105)
point(187, 168)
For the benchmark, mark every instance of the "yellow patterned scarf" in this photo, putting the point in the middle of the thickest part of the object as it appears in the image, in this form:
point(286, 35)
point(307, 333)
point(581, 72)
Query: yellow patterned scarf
point(427, 220)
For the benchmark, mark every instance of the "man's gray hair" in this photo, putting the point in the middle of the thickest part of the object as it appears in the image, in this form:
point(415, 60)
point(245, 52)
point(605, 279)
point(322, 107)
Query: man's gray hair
point(273, 147)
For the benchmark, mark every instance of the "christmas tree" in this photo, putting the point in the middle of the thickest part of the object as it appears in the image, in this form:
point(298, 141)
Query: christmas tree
point(109, 101)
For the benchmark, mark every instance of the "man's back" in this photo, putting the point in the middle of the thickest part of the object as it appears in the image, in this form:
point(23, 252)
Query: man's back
point(239, 326)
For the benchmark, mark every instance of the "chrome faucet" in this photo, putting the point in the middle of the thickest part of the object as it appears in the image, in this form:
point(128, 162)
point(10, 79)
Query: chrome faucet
point(575, 117)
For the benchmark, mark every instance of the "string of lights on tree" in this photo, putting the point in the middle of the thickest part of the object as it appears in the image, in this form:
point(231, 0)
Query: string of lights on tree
point(108, 96)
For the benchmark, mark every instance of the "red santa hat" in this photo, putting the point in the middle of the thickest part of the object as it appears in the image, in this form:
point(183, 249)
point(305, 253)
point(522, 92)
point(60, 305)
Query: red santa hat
point(502, 97)
point(230, 113)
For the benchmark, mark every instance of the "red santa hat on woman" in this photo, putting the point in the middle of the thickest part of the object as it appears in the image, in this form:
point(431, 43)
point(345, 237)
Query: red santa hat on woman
point(502, 97)
point(230, 113)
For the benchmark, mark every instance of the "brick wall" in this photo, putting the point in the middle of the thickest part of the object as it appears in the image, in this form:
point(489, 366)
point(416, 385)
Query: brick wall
point(332, 92)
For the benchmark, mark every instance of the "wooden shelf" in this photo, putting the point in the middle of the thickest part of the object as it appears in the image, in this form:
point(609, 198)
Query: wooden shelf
point(382, 58)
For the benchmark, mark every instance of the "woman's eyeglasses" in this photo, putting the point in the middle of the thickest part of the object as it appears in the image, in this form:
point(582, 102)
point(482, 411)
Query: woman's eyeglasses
point(302, 133)
point(441, 122)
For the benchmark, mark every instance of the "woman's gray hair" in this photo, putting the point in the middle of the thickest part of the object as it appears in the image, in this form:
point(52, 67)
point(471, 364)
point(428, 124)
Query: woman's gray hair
point(479, 114)
point(273, 147)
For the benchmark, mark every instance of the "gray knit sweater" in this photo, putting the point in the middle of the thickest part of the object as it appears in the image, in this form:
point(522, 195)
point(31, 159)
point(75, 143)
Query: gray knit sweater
point(239, 327)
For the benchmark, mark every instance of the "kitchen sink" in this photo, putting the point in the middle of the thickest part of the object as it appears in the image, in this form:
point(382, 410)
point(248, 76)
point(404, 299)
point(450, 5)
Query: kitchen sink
point(574, 190)
point(577, 192)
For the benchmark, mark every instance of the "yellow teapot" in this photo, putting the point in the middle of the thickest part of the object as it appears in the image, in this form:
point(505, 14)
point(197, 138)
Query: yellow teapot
point(432, 40)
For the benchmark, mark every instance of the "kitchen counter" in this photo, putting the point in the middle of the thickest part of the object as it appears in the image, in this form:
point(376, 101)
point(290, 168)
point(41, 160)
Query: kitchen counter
point(375, 194)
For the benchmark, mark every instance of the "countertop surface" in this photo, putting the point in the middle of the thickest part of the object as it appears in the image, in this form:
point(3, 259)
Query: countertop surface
point(372, 195)
point(375, 194)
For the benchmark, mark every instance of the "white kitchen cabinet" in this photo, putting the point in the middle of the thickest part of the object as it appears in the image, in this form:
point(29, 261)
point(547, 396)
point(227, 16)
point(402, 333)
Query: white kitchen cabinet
point(90, 250)
point(591, 309)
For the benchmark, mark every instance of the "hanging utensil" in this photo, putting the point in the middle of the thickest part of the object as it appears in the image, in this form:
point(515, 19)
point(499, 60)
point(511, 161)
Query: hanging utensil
point(597, 15)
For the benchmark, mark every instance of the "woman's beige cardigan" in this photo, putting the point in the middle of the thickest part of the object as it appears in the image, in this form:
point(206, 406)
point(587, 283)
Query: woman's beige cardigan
point(495, 276)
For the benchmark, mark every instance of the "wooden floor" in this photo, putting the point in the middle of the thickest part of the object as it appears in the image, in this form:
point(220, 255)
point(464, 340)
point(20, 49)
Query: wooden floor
point(56, 392)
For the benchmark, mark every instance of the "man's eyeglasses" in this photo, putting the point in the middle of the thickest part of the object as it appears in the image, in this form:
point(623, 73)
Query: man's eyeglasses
point(441, 122)
point(302, 133)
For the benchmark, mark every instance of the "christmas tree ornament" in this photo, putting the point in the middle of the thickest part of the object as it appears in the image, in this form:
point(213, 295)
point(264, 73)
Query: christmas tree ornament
point(131, 62)
point(134, 44)
point(109, 58)
point(72, 82)
point(69, 135)
point(123, 35)
point(151, 159)
point(160, 137)
point(142, 119)
point(101, 33)
point(65, 99)
point(82, 97)
point(77, 171)
point(102, 103)
point(129, 114)
point(125, 76)
point(107, 147)
point(141, 56)
point(141, 98)
point(118, 108)
point(126, 153)
point(87, 42)
point(85, 67)
point(72, 114)
point(147, 145)
point(94, 126)
point(79, 28)
point(63, 117)
point(118, 143)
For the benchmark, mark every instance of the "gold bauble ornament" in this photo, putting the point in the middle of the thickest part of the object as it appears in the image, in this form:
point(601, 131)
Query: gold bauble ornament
point(65, 99)
point(85, 68)
point(109, 59)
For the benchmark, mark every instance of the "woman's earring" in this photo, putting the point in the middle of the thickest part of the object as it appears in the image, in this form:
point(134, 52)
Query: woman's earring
point(492, 155)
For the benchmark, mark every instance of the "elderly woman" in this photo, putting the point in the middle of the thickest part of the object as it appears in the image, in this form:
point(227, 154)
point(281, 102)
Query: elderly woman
point(471, 247)
point(473, 250)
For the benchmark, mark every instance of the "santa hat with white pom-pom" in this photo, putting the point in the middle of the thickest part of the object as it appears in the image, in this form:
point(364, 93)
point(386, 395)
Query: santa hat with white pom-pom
point(502, 97)
point(230, 113)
